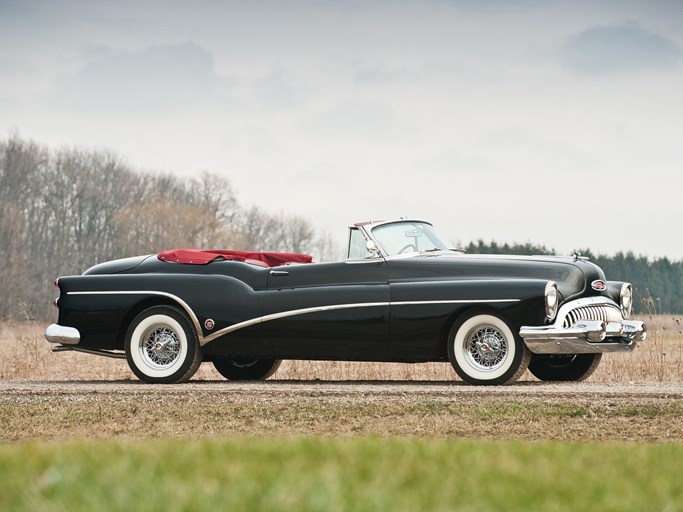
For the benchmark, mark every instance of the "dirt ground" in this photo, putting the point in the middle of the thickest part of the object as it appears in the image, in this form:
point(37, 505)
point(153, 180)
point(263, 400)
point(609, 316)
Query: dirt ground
point(633, 412)
point(635, 397)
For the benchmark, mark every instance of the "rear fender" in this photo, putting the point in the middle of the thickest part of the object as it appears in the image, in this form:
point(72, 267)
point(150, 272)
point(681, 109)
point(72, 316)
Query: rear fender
point(115, 300)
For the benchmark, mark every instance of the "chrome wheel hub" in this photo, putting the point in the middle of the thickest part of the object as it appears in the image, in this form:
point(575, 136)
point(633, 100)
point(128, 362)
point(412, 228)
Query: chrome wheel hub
point(486, 348)
point(160, 347)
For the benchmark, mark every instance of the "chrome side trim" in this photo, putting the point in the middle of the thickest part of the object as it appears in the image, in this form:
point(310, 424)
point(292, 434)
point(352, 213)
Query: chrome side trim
point(318, 309)
point(185, 306)
point(293, 312)
point(457, 301)
point(63, 335)
point(203, 340)
point(105, 353)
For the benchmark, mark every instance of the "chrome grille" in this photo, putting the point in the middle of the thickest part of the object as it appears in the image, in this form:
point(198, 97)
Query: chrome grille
point(603, 312)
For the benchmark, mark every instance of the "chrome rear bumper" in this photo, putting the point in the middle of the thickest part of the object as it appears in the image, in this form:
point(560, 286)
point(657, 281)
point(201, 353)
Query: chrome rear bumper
point(56, 333)
point(584, 337)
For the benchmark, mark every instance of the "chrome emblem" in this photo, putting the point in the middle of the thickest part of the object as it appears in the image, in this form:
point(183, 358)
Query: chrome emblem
point(599, 285)
point(209, 324)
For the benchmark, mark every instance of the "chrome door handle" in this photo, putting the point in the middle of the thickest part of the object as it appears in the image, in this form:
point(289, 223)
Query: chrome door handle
point(279, 273)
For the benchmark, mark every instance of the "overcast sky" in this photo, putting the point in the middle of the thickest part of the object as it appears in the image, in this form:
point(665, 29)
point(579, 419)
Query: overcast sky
point(555, 122)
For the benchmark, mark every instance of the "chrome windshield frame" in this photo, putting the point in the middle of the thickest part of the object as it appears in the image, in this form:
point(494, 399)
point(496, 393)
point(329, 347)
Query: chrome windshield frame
point(367, 228)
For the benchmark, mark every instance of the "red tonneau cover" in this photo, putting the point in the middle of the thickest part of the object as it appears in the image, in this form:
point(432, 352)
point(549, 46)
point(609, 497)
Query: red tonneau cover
point(202, 257)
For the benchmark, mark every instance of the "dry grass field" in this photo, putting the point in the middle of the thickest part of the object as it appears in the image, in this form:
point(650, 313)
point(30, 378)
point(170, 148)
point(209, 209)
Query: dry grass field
point(25, 355)
point(338, 446)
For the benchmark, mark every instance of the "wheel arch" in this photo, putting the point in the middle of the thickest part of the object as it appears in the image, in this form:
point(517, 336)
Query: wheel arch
point(161, 345)
point(500, 361)
point(461, 315)
point(148, 302)
point(517, 302)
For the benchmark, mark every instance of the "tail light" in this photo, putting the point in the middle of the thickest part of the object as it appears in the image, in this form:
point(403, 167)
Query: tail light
point(55, 302)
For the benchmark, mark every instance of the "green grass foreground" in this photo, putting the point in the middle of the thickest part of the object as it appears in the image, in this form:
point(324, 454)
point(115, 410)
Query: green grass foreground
point(356, 474)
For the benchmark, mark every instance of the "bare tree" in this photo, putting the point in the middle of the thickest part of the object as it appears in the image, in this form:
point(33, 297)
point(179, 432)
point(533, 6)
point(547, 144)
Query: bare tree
point(20, 162)
point(258, 229)
point(324, 248)
point(63, 210)
point(297, 233)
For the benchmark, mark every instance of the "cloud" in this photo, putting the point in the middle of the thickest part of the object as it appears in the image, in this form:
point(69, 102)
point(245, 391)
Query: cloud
point(358, 121)
point(16, 9)
point(261, 142)
point(454, 162)
point(528, 153)
point(618, 49)
point(492, 6)
point(278, 91)
point(323, 178)
point(154, 79)
point(382, 75)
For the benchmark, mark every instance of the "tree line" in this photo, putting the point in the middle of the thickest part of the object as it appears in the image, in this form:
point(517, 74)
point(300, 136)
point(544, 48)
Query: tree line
point(63, 210)
point(657, 283)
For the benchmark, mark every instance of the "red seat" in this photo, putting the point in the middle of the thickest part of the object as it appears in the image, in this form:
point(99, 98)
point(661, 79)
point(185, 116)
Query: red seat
point(203, 257)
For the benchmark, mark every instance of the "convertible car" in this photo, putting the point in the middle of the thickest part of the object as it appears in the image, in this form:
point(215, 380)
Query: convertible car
point(400, 295)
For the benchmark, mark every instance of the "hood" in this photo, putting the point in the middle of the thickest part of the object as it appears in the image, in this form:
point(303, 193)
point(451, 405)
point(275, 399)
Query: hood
point(573, 276)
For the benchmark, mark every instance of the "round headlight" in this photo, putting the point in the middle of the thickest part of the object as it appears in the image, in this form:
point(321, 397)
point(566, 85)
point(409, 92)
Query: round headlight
point(626, 299)
point(551, 300)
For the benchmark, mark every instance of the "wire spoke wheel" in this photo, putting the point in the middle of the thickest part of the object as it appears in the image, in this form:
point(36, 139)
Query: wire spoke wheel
point(484, 350)
point(161, 346)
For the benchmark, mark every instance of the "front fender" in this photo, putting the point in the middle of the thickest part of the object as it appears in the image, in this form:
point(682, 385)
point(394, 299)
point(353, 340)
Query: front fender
point(422, 313)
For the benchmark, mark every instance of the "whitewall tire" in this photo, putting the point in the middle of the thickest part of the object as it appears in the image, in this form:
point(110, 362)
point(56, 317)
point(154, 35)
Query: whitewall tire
point(162, 347)
point(483, 350)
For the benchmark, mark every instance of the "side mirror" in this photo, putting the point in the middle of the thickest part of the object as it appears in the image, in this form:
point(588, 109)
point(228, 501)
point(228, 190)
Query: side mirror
point(372, 248)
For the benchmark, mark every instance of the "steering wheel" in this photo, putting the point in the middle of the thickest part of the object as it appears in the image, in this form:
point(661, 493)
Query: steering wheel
point(407, 247)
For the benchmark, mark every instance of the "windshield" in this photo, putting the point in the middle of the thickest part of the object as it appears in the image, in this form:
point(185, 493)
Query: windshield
point(406, 237)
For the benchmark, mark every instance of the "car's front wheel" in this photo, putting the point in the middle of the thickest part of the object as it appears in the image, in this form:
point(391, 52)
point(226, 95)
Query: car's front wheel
point(564, 368)
point(243, 368)
point(484, 350)
point(162, 347)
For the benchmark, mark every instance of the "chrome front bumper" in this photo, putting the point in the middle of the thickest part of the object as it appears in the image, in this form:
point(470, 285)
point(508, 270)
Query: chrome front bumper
point(56, 333)
point(584, 337)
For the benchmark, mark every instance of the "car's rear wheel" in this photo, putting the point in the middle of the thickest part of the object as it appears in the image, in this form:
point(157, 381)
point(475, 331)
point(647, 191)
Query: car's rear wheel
point(484, 350)
point(162, 347)
point(564, 368)
point(246, 368)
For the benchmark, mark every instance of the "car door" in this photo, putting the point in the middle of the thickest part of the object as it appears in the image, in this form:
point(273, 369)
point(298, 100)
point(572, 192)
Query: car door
point(334, 310)
point(424, 293)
